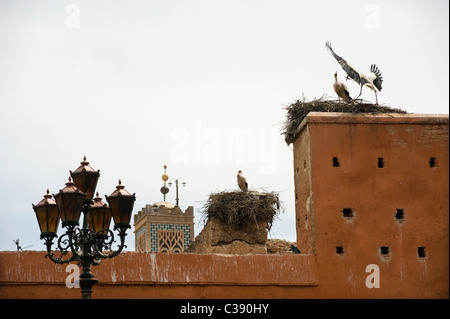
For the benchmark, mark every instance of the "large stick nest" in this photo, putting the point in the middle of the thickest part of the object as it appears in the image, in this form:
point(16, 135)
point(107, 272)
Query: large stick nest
point(298, 110)
point(241, 209)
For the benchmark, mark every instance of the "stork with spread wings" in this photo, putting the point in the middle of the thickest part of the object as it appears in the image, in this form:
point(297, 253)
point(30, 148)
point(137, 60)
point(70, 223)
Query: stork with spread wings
point(373, 80)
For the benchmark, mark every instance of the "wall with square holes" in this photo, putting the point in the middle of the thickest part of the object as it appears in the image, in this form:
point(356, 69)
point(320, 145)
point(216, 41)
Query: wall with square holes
point(373, 189)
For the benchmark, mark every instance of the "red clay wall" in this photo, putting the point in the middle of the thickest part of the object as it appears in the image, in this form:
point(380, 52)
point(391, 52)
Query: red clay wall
point(374, 195)
point(164, 275)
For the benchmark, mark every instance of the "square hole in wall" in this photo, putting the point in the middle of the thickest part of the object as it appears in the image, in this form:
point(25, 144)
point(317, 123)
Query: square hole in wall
point(336, 162)
point(385, 253)
point(348, 213)
point(384, 250)
point(433, 162)
point(400, 214)
point(380, 162)
point(340, 250)
point(421, 252)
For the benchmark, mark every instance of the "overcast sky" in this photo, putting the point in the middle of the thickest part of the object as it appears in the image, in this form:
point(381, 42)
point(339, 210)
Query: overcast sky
point(198, 85)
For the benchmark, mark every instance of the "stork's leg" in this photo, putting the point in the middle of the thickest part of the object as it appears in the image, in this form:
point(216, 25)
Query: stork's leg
point(376, 98)
point(360, 91)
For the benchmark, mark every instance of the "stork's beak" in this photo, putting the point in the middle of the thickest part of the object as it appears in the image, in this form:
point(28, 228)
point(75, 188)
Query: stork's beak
point(347, 78)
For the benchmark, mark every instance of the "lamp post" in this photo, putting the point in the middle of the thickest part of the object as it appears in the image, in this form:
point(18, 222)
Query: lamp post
point(176, 187)
point(93, 242)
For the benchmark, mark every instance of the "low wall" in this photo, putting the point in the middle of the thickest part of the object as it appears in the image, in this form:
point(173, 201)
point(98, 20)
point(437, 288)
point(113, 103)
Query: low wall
point(163, 275)
point(140, 275)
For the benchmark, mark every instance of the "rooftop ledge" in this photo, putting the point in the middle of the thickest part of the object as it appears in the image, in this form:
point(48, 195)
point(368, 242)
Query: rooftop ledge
point(366, 118)
point(166, 268)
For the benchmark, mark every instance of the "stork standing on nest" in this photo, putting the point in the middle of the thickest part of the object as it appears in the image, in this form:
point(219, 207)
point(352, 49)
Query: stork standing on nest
point(341, 90)
point(242, 182)
point(373, 80)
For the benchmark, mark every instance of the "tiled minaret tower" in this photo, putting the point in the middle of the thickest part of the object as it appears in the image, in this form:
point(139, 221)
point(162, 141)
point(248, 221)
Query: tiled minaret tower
point(163, 226)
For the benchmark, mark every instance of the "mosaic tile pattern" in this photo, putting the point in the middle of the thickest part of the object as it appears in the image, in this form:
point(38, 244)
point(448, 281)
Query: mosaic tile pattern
point(154, 233)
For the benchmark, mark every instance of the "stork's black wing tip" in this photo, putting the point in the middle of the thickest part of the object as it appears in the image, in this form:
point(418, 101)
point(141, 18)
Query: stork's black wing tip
point(376, 70)
point(347, 94)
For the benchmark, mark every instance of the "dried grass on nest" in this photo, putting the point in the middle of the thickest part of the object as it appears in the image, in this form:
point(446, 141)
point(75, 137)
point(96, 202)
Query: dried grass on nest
point(241, 209)
point(298, 110)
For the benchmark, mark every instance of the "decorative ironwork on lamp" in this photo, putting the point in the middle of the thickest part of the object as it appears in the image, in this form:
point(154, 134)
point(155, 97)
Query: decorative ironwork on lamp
point(94, 241)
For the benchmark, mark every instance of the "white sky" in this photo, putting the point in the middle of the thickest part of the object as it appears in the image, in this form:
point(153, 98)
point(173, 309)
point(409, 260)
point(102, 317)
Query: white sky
point(136, 84)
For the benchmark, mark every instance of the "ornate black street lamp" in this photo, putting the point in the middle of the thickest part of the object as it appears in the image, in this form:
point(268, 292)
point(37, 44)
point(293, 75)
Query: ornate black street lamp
point(93, 242)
